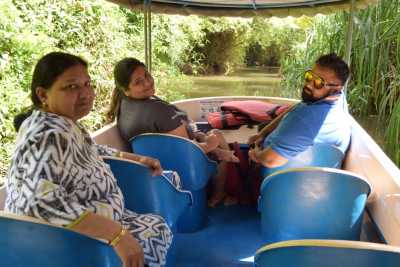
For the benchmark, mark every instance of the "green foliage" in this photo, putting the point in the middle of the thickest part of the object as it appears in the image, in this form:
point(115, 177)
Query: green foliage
point(170, 81)
point(218, 45)
point(215, 47)
point(323, 34)
point(392, 134)
point(268, 44)
point(100, 32)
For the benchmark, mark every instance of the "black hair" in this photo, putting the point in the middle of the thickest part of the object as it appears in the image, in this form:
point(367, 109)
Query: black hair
point(46, 72)
point(336, 64)
point(122, 77)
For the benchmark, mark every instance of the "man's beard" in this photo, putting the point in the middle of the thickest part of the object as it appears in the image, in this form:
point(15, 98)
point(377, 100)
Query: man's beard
point(309, 98)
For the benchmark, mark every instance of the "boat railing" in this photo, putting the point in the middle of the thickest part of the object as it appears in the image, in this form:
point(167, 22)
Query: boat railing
point(366, 158)
point(109, 135)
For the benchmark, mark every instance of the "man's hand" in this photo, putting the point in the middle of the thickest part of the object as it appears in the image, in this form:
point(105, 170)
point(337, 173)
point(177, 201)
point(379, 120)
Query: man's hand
point(252, 139)
point(267, 157)
point(130, 252)
point(255, 139)
point(254, 154)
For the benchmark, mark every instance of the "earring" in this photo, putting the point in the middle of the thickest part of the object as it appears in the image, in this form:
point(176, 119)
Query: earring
point(44, 104)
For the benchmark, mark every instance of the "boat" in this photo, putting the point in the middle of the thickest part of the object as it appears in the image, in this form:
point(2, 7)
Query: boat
point(364, 158)
point(232, 235)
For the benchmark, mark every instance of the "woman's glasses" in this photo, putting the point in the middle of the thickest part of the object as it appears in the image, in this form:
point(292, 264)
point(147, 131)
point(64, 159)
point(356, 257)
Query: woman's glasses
point(318, 82)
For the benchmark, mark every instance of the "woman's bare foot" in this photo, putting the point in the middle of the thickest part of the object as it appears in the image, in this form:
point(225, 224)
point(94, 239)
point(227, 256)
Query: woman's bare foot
point(222, 197)
point(229, 200)
point(225, 155)
point(215, 199)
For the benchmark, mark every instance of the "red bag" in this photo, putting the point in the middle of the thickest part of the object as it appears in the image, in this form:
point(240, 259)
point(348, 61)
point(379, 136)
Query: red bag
point(243, 179)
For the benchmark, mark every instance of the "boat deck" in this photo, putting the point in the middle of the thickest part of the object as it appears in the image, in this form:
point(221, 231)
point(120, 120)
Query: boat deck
point(231, 238)
point(227, 240)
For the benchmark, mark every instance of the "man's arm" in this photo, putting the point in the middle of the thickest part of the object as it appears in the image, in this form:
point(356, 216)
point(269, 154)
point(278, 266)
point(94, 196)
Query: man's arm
point(269, 127)
point(293, 136)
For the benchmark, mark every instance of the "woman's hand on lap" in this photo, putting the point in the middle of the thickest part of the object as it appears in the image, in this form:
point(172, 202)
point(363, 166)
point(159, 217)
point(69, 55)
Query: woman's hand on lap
point(153, 164)
point(130, 251)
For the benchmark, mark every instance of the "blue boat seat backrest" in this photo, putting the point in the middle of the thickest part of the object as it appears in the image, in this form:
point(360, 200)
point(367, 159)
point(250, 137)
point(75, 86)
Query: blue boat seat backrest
point(316, 203)
point(318, 155)
point(327, 253)
point(24, 242)
point(193, 166)
point(144, 193)
point(178, 154)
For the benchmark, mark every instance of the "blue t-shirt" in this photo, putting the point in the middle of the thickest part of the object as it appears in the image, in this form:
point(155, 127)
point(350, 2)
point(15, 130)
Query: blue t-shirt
point(324, 122)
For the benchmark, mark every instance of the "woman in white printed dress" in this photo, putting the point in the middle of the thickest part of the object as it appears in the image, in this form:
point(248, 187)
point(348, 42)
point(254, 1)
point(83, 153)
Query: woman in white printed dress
point(57, 173)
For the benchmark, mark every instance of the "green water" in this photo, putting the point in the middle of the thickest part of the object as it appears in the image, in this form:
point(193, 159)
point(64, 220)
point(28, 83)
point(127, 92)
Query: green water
point(260, 82)
point(246, 81)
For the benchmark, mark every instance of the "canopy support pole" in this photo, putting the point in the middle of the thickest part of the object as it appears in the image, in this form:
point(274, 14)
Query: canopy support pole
point(349, 35)
point(147, 34)
point(349, 45)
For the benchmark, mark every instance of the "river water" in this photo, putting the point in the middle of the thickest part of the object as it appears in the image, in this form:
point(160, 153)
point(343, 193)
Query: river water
point(246, 81)
point(259, 82)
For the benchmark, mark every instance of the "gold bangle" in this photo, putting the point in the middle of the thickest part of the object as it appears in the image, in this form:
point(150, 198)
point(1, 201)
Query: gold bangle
point(118, 154)
point(77, 221)
point(118, 238)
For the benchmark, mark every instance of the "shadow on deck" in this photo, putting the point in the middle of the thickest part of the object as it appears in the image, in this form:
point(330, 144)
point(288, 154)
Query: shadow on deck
point(231, 238)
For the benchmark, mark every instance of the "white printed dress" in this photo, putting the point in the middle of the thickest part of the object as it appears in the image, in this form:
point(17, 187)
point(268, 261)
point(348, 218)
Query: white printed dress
point(57, 174)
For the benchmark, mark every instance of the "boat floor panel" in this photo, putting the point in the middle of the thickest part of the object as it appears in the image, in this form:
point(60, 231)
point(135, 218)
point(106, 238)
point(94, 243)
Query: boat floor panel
point(231, 238)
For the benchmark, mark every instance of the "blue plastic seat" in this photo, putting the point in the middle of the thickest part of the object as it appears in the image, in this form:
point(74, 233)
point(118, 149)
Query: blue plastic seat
point(144, 193)
point(192, 164)
point(26, 242)
point(319, 155)
point(327, 253)
point(312, 203)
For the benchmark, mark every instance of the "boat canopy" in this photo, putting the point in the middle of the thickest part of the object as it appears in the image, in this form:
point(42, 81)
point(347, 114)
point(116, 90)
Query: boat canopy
point(245, 8)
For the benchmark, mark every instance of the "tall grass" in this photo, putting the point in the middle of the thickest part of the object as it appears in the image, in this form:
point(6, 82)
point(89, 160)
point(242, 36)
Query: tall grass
point(323, 35)
point(393, 133)
point(375, 84)
point(375, 87)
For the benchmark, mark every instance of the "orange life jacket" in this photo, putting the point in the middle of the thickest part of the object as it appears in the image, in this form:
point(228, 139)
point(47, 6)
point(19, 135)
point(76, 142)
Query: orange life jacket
point(236, 113)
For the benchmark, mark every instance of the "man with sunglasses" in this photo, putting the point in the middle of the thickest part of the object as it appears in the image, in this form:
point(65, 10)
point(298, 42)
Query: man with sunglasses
point(321, 117)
